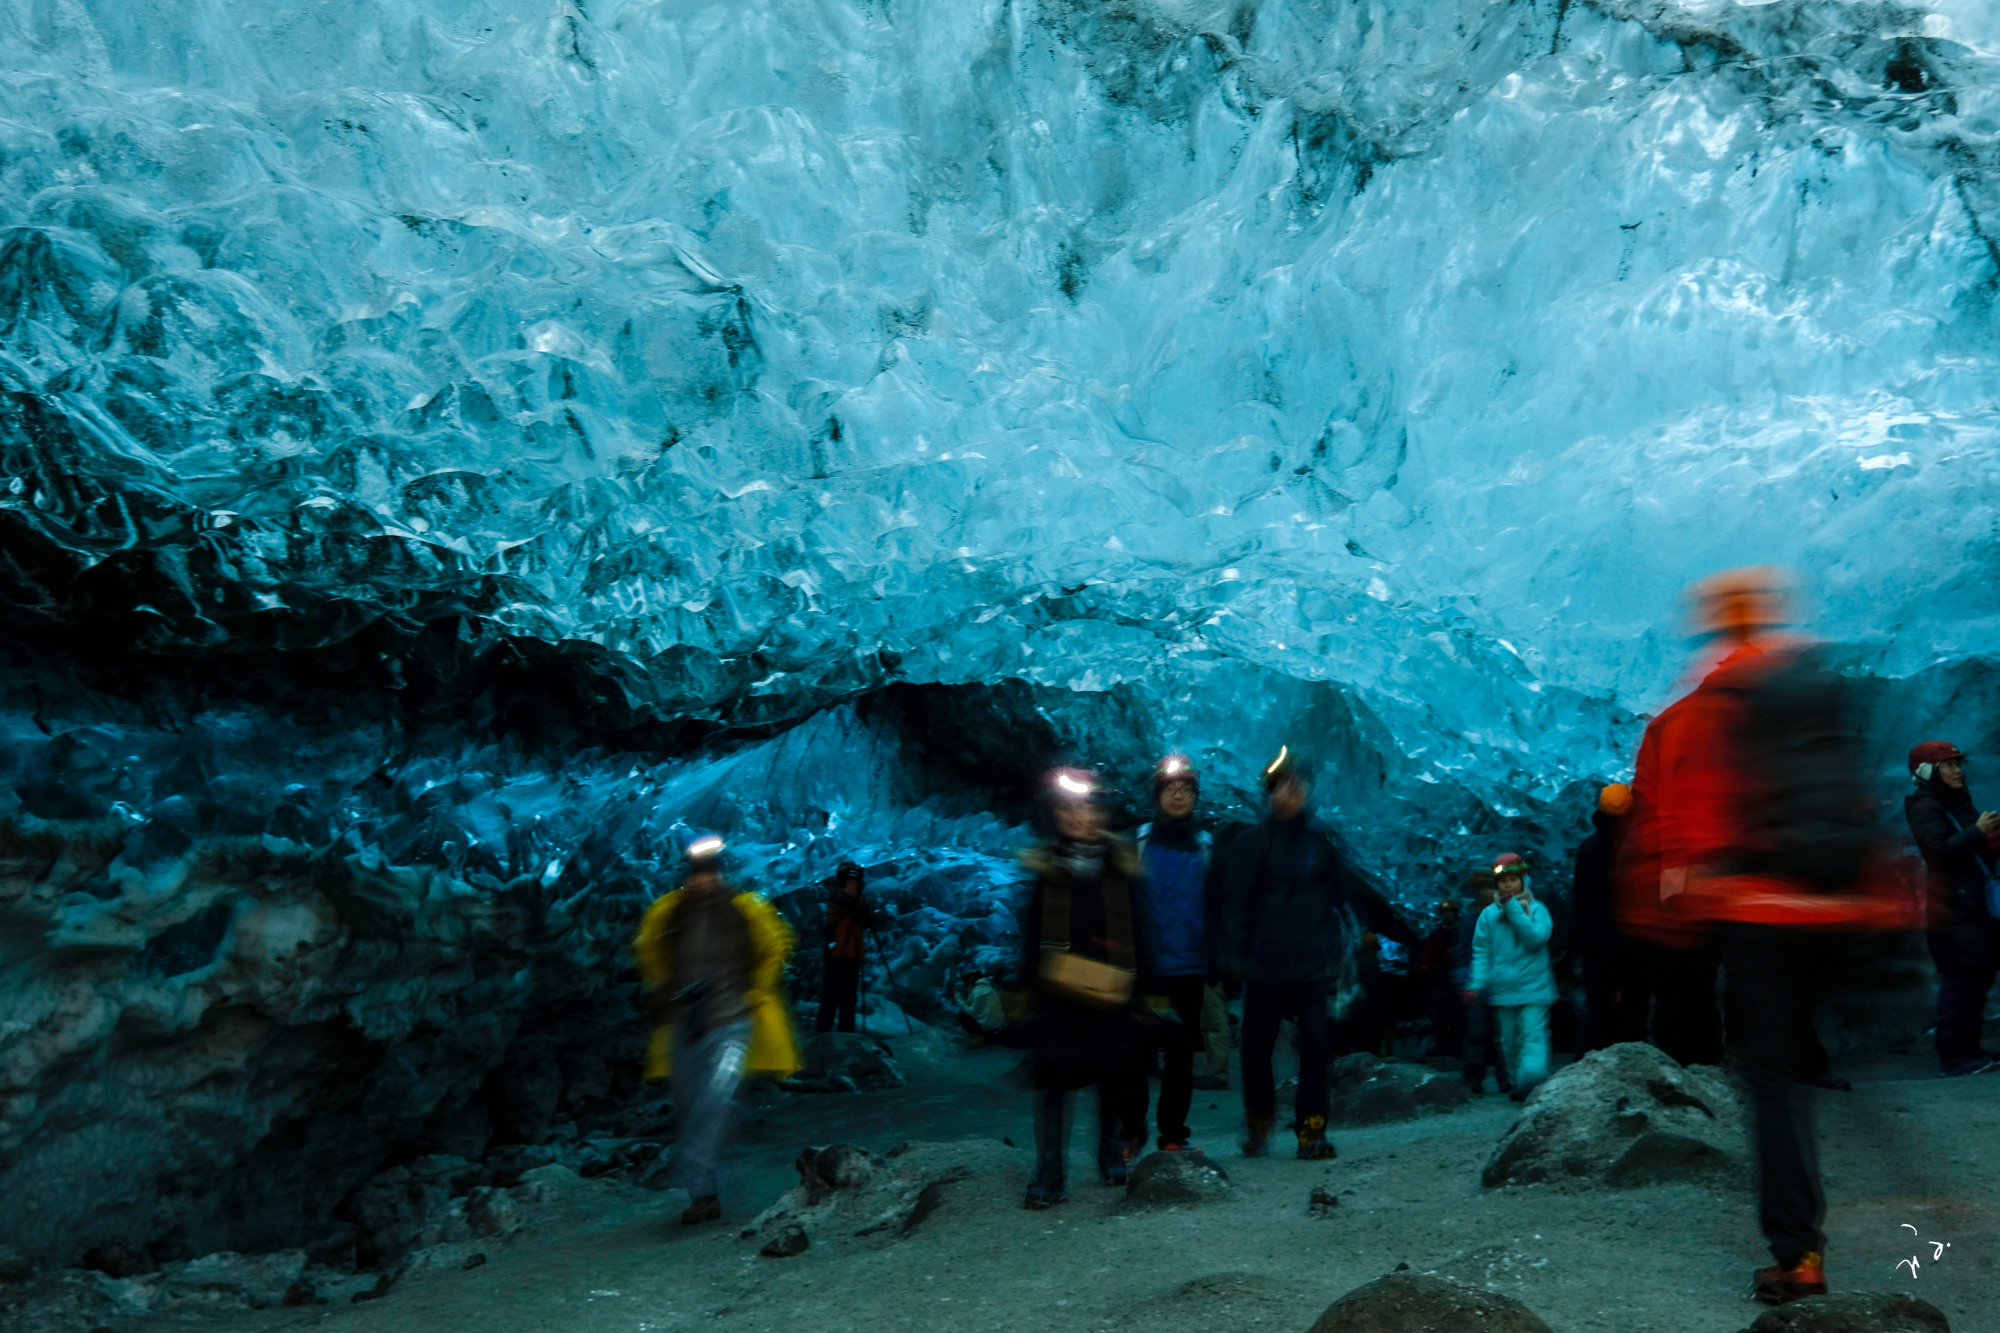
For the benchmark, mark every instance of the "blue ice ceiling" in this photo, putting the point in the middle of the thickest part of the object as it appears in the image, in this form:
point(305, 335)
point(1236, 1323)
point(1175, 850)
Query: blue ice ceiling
point(784, 350)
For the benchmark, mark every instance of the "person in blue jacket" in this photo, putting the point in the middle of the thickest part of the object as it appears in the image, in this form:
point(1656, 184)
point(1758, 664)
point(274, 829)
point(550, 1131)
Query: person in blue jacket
point(1179, 901)
point(1510, 972)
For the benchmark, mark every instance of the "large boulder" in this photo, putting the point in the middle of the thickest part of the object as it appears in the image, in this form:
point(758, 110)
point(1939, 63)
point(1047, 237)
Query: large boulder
point(225, 1279)
point(846, 1062)
point(1368, 1091)
point(1625, 1116)
point(76, 1300)
point(1854, 1312)
point(1174, 1179)
point(408, 1207)
point(1426, 1303)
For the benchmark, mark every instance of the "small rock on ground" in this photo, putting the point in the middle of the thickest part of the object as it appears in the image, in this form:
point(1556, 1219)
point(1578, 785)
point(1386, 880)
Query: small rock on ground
point(1854, 1312)
point(1369, 1091)
point(1322, 1201)
point(789, 1241)
point(1422, 1303)
point(1168, 1179)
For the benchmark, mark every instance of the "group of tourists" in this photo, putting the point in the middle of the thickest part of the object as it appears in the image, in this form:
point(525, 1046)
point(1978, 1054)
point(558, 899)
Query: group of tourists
point(1741, 853)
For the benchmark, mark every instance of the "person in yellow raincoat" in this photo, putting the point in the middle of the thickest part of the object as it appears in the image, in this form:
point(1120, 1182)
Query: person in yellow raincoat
point(712, 958)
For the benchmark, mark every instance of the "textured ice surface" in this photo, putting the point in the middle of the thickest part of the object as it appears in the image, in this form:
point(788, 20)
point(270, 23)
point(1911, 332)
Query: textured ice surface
point(1427, 349)
point(1371, 374)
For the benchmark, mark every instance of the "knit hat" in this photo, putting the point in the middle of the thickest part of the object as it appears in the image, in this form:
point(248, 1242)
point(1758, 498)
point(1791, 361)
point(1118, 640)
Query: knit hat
point(1175, 768)
point(1066, 785)
point(1287, 767)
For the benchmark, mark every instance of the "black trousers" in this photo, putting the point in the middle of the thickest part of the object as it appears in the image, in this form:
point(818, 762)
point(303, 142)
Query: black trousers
point(1121, 1115)
point(1961, 1013)
point(1447, 1020)
point(1687, 1023)
point(1482, 1047)
point(1178, 1042)
point(1617, 994)
point(1776, 977)
point(1265, 1007)
point(838, 994)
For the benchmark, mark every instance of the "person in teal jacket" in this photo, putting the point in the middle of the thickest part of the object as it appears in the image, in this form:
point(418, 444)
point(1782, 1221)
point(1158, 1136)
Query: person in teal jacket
point(1510, 972)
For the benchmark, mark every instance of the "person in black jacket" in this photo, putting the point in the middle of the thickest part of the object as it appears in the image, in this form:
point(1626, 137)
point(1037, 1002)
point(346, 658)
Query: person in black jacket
point(1961, 850)
point(1615, 994)
point(1441, 989)
point(1082, 911)
point(1287, 885)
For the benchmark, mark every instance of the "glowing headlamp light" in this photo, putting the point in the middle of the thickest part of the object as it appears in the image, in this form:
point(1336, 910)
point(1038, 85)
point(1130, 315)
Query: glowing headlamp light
point(1071, 785)
point(704, 848)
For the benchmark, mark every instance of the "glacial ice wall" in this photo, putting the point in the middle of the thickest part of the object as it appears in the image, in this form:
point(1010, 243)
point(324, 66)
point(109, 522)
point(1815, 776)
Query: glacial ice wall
point(385, 380)
point(787, 348)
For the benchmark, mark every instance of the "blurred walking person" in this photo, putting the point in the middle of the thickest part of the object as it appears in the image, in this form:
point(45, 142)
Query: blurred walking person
point(1511, 973)
point(1758, 825)
point(1961, 850)
point(712, 959)
point(1287, 887)
point(1179, 903)
point(1080, 961)
point(848, 919)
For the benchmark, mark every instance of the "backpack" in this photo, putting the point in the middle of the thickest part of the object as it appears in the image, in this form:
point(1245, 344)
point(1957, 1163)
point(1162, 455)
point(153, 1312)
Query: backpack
point(1808, 816)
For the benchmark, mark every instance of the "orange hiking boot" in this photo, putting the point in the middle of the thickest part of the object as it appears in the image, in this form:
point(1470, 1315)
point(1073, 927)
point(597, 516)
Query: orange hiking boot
point(1313, 1145)
point(1781, 1285)
point(1257, 1138)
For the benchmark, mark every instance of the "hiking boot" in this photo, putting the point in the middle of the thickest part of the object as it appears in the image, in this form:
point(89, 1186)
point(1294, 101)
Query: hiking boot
point(1961, 1068)
point(708, 1208)
point(1781, 1285)
point(1046, 1189)
point(1257, 1138)
point(1041, 1196)
point(1313, 1145)
point(1172, 1145)
point(1114, 1161)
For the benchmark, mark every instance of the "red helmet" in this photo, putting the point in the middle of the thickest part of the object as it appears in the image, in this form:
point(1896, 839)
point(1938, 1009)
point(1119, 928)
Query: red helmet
point(1931, 753)
point(1509, 863)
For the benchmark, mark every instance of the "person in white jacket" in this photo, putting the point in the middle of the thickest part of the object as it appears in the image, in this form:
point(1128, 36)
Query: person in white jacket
point(1510, 972)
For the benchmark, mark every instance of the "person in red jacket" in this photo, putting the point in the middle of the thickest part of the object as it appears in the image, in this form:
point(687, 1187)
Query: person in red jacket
point(848, 917)
point(1752, 825)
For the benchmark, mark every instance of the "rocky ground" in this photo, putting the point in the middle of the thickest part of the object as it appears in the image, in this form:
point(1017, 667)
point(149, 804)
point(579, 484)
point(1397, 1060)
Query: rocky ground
point(931, 1234)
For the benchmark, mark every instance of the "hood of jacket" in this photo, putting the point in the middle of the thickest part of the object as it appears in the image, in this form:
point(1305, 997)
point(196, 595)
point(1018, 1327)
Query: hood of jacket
point(1120, 854)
